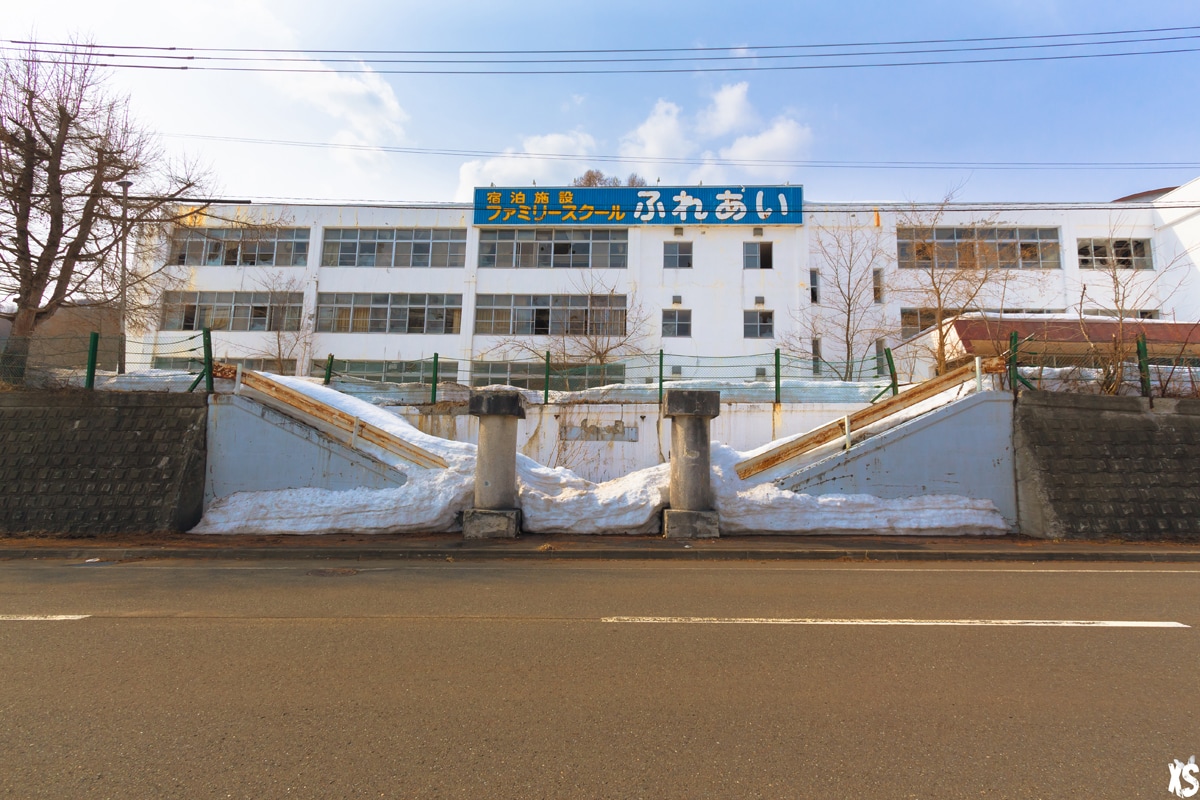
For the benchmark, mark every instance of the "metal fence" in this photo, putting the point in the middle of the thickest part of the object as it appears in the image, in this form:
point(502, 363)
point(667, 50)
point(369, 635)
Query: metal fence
point(1113, 368)
point(92, 361)
point(766, 377)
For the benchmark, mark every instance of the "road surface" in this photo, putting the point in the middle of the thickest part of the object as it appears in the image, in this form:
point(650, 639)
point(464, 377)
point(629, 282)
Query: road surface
point(261, 679)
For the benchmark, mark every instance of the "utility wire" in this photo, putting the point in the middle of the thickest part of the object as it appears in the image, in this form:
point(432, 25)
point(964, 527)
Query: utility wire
point(93, 51)
point(734, 162)
point(895, 43)
point(318, 68)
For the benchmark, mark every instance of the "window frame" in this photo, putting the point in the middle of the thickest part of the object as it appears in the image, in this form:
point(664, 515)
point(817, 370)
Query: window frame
point(680, 324)
point(762, 324)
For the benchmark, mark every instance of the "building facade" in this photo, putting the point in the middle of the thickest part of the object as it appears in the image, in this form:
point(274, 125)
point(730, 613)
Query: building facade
point(697, 272)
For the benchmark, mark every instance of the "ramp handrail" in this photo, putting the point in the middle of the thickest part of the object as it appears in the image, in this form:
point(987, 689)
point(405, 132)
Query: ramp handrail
point(832, 431)
point(346, 428)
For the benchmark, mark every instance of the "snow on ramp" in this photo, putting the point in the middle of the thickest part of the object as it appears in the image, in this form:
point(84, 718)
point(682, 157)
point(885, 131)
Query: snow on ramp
point(556, 500)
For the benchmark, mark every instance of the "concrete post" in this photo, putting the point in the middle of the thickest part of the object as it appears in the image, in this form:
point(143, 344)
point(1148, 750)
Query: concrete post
point(691, 514)
point(496, 514)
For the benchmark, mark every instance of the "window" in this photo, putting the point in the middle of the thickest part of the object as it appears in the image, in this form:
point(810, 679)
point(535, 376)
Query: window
point(758, 324)
point(916, 320)
point(232, 311)
point(756, 255)
point(877, 285)
point(676, 322)
point(545, 248)
point(677, 255)
point(389, 313)
point(817, 363)
point(391, 371)
point(1130, 313)
point(532, 375)
point(881, 367)
point(240, 247)
point(550, 314)
point(394, 247)
point(963, 248)
point(1114, 253)
point(814, 287)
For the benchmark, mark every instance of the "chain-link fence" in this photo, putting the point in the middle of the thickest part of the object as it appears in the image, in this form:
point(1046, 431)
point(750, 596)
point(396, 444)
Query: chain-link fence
point(767, 377)
point(92, 361)
point(1113, 368)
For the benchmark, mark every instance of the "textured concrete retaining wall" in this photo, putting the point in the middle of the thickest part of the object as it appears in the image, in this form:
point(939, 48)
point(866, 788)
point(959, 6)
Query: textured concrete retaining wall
point(1106, 467)
point(964, 449)
point(254, 449)
point(96, 463)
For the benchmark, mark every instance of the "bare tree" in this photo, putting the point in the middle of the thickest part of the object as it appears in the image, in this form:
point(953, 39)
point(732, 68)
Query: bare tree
point(847, 294)
point(945, 270)
point(66, 144)
point(290, 330)
point(594, 177)
point(596, 324)
point(1123, 282)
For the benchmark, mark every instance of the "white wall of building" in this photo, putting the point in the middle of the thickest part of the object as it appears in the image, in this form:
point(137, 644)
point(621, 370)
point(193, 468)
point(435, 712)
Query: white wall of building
point(717, 289)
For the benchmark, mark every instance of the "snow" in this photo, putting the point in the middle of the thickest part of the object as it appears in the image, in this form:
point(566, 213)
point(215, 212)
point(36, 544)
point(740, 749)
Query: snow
point(556, 500)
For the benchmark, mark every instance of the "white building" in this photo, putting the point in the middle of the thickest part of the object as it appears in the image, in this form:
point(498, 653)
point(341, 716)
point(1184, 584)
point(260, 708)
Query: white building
point(384, 288)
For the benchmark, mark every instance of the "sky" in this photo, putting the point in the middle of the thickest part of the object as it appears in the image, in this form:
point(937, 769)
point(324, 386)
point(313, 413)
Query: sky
point(851, 134)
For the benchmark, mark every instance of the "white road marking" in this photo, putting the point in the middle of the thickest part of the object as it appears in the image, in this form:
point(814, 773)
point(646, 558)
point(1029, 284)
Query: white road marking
point(41, 617)
point(1031, 623)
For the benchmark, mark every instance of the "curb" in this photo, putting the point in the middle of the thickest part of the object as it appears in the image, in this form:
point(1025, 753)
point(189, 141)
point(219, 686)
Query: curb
point(110, 554)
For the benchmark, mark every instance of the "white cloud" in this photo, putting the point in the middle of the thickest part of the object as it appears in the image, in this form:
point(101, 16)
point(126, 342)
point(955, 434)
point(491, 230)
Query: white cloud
point(362, 108)
point(729, 111)
point(785, 140)
point(524, 166)
point(661, 135)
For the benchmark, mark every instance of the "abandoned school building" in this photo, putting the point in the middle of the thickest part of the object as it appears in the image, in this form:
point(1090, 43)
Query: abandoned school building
point(721, 271)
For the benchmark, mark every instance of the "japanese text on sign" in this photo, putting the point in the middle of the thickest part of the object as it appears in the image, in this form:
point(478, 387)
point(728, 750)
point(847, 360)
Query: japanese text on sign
point(659, 205)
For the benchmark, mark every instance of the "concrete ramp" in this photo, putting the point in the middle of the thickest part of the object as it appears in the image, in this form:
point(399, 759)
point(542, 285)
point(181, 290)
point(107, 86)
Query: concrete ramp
point(963, 448)
point(253, 448)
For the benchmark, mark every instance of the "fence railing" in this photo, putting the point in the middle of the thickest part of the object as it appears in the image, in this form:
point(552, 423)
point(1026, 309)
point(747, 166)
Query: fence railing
point(776, 376)
point(1117, 368)
point(91, 360)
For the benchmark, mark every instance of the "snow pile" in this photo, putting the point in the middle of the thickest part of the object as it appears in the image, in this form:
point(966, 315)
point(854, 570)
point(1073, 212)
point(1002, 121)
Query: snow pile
point(762, 507)
point(556, 500)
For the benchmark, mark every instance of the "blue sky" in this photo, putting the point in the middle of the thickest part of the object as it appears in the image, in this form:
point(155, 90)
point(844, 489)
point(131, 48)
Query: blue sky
point(1132, 109)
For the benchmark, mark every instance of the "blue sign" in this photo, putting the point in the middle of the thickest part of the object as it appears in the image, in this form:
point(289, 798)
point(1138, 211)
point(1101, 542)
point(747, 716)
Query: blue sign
point(639, 205)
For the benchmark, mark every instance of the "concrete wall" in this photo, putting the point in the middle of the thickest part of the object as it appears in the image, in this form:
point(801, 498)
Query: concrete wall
point(1108, 467)
point(602, 453)
point(964, 449)
point(253, 449)
point(100, 463)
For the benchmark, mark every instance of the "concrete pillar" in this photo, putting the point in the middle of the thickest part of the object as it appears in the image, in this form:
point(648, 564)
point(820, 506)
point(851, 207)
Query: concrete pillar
point(496, 514)
point(691, 514)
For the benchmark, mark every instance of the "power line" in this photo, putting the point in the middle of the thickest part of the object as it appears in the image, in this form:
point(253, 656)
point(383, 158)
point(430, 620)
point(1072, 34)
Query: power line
point(94, 51)
point(680, 161)
point(810, 207)
point(319, 69)
point(894, 43)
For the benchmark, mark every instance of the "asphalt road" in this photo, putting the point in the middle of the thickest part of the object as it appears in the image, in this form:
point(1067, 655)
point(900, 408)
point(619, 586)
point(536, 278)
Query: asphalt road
point(497, 680)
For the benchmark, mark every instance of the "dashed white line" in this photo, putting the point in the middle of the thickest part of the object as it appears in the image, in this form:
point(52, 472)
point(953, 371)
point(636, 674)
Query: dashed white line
point(1028, 623)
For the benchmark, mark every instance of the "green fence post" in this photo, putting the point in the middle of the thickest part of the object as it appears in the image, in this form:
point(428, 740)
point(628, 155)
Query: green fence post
point(328, 369)
point(93, 349)
point(778, 391)
point(891, 365)
point(1143, 364)
point(660, 377)
point(208, 361)
point(546, 388)
point(433, 391)
point(1012, 361)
